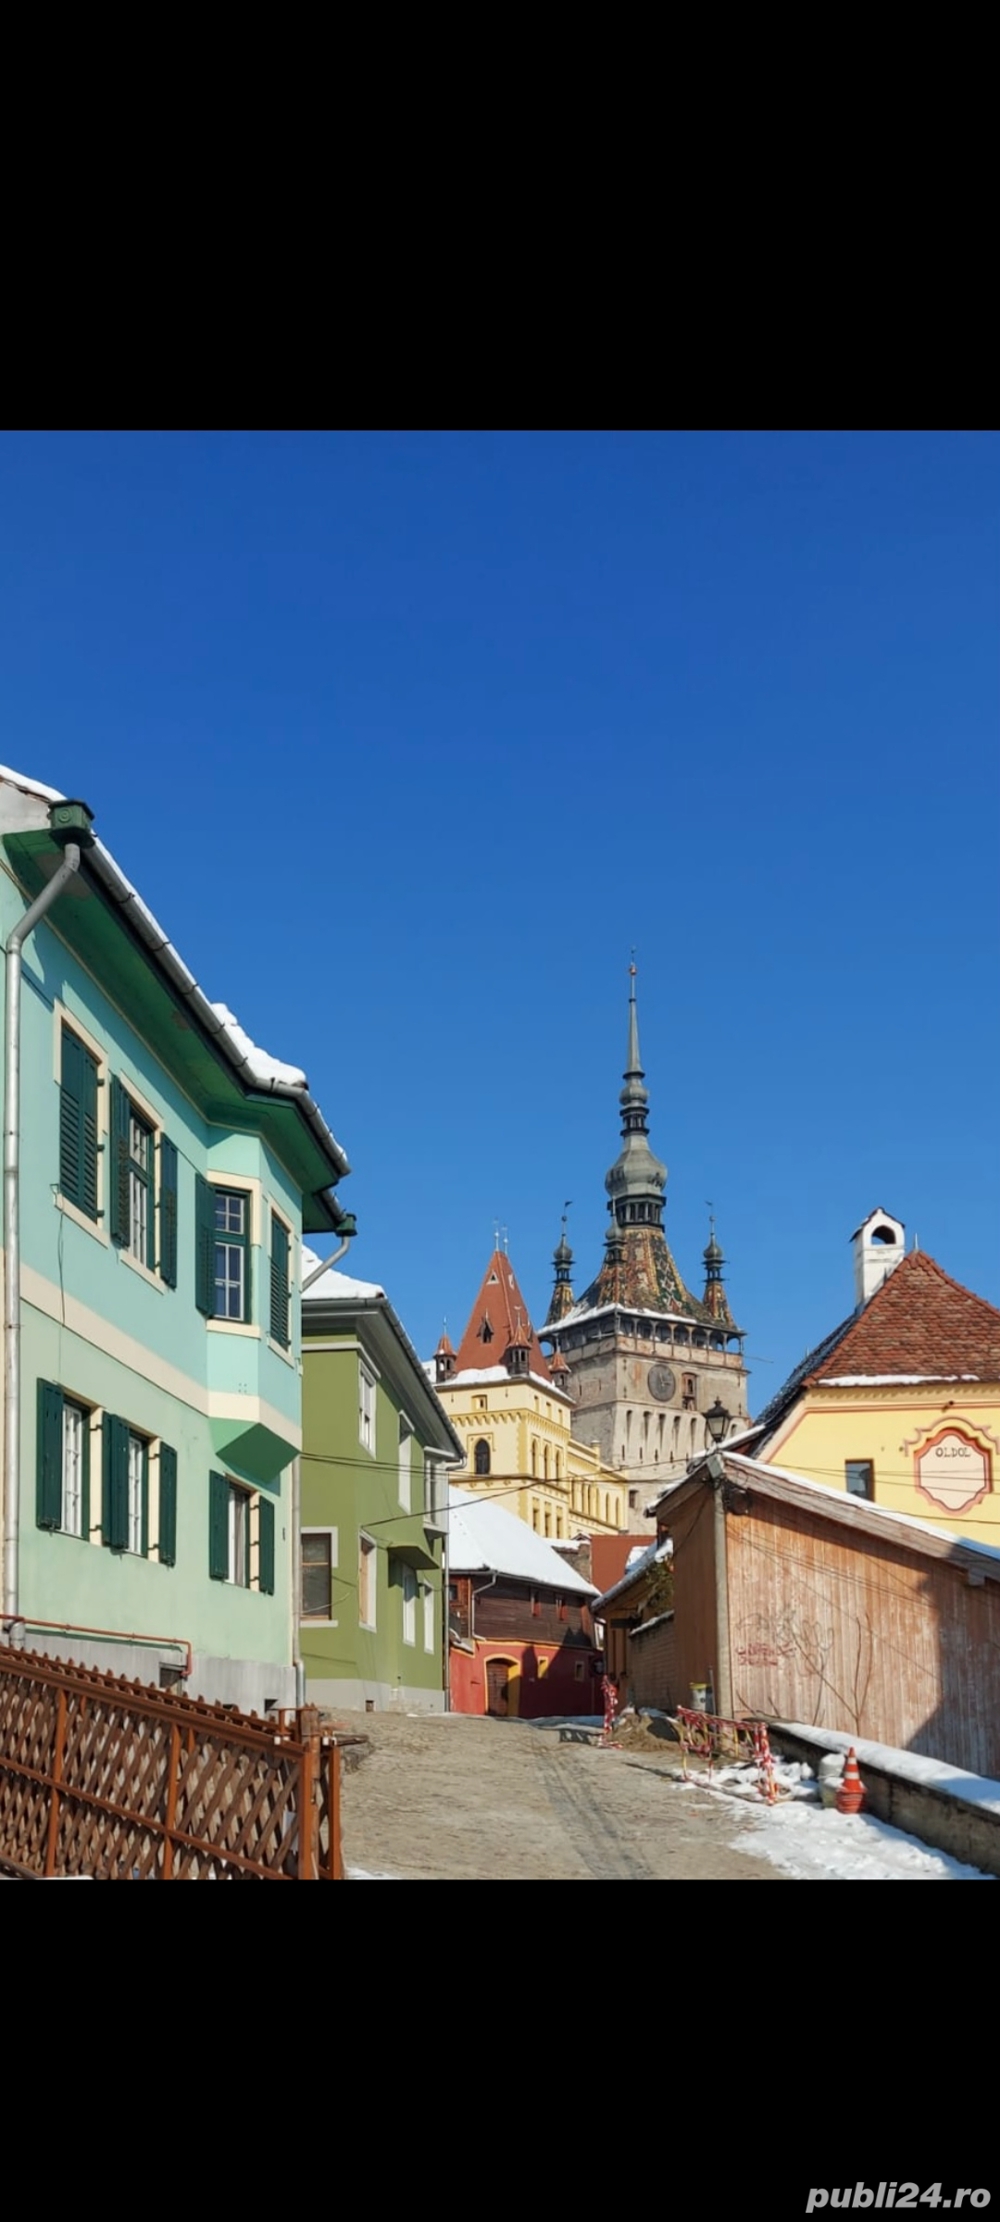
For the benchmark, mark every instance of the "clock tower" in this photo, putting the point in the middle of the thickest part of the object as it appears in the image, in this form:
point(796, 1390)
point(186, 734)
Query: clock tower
point(646, 1360)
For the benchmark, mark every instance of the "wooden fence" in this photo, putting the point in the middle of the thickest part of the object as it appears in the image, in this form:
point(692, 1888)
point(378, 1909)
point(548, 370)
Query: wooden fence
point(109, 1778)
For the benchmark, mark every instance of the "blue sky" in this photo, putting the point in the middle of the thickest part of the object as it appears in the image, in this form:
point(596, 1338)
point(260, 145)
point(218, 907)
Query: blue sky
point(407, 739)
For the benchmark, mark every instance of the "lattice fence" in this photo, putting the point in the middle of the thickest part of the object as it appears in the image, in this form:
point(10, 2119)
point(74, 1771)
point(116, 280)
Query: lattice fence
point(109, 1778)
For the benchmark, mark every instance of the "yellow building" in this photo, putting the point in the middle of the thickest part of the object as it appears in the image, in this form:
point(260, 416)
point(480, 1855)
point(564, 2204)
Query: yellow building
point(510, 1408)
point(901, 1404)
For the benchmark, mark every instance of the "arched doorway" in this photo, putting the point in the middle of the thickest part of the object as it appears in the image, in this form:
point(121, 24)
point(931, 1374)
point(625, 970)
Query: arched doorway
point(503, 1688)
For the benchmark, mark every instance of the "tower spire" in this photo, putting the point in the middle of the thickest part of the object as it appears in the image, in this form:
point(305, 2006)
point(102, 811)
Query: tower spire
point(637, 1179)
point(562, 1259)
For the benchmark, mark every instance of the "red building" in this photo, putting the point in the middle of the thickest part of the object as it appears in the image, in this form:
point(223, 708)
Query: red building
point(521, 1634)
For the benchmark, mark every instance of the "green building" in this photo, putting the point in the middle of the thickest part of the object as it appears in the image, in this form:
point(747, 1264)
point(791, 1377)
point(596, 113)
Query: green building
point(376, 1452)
point(165, 1169)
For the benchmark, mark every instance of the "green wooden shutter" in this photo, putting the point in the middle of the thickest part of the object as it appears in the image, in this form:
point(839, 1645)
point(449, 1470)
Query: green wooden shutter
point(204, 1258)
point(89, 1143)
point(50, 1455)
point(168, 1506)
point(265, 1545)
point(279, 1281)
point(218, 1527)
point(71, 1118)
point(114, 1521)
point(168, 1212)
point(120, 1214)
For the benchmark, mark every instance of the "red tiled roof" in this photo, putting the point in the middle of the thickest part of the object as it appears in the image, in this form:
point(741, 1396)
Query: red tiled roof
point(919, 1322)
point(499, 1317)
point(444, 1349)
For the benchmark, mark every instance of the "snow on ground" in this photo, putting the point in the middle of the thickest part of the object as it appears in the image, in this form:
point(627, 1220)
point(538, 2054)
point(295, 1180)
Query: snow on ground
point(816, 1843)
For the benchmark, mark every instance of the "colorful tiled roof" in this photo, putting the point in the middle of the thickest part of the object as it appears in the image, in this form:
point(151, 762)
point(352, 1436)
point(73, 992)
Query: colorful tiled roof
point(639, 1274)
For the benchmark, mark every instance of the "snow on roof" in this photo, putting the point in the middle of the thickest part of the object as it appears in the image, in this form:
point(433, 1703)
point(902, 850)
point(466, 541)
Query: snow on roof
point(333, 1286)
point(638, 1562)
point(581, 1312)
point(484, 1538)
point(863, 1507)
point(31, 786)
point(482, 1377)
point(887, 1380)
point(260, 1066)
point(247, 1060)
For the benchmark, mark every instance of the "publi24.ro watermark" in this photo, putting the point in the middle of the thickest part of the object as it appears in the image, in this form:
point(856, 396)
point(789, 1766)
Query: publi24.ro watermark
point(897, 2195)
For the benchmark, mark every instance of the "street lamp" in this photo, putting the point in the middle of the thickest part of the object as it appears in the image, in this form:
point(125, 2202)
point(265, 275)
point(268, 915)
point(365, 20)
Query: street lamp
point(717, 1420)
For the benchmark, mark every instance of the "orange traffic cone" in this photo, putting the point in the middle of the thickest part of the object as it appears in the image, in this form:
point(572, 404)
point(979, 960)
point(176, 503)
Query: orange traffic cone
point(850, 1789)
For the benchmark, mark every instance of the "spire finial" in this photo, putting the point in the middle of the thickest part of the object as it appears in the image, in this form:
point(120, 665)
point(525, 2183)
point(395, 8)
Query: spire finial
point(633, 1066)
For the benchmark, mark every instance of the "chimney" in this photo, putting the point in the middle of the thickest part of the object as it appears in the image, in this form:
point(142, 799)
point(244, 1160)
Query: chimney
point(879, 1246)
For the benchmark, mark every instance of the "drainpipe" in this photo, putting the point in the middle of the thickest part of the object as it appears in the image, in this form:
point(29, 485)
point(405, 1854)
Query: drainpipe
point(69, 823)
point(298, 1662)
point(724, 1690)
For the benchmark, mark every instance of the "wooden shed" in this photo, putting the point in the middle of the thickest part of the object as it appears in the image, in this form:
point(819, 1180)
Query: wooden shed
point(801, 1603)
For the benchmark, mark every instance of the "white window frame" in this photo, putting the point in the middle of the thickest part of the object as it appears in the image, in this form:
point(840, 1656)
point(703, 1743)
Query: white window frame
point(409, 1605)
point(138, 1456)
point(406, 1442)
point(366, 1407)
point(316, 1620)
point(141, 1192)
point(368, 1555)
point(223, 1239)
point(429, 1639)
point(73, 1456)
point(241, 1498)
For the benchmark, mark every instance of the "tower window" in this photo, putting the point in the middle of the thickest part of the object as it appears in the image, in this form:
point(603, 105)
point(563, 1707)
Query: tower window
point(482, 1457)
point(485, 1331)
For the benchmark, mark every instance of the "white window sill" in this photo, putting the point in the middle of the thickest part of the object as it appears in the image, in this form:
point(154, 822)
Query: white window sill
point(369, 1447)
point(409, 1643)
point(232, 1327)
point(367, 1627)
point(80, 1219)
point(287, 1356)
point(145, 1272)
point(305, 1625)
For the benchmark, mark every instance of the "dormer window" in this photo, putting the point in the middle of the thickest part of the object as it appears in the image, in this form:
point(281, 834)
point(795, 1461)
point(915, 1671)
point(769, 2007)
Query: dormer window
point(485, 1331)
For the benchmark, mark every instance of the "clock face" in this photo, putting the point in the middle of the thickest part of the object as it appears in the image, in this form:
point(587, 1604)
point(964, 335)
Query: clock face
point(661, 1383)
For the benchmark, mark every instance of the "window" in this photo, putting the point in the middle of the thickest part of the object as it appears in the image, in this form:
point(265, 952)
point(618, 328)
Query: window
point(138, 1476)
point(319, 1557)
point(224, 1245)
point(409, 1605)
point(75, 1431)
point(367, 1570)
point(140, 1188)
point(482, 1457)
point(366, 1408)
point(78, 1143)
point(238, 1532)
point(133, 1218)
point(125, 1508)
point(405, 1462)
point(237, 1518)
point(63, 1466)
point(429, 1620)
point(280, 1254)
point(859, 1475)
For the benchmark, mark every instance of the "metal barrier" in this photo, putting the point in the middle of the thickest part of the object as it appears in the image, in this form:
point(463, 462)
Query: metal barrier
point(727, 1742)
